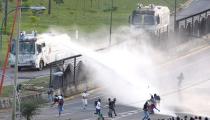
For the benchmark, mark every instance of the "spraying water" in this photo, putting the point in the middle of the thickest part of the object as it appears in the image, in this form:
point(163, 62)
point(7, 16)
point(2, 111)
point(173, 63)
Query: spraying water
point(131, 72)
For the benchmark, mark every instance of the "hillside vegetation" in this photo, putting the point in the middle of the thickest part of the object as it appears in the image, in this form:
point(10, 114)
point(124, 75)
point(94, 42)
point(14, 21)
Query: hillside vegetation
point(86, 15)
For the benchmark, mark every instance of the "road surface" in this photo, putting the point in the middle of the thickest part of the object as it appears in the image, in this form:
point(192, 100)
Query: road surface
point(194, 92)
point(73, 110)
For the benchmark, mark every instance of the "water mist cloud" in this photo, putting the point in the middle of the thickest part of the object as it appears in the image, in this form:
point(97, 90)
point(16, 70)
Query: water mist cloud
point(130, 71)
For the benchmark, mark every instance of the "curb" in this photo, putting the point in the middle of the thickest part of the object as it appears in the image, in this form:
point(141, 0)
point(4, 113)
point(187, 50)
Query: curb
point(5, 103)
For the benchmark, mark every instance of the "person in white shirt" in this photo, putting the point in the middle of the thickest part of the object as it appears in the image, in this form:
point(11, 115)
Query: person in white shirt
point(84, 99)
point(98, 107)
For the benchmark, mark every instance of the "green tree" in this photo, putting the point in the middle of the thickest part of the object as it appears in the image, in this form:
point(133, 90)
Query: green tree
point(29, 109)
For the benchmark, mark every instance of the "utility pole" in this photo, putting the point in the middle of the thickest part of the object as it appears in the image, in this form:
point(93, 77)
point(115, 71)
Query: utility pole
point(16, 63)
point(49, 7)
point(175, 2)
point(110, 30)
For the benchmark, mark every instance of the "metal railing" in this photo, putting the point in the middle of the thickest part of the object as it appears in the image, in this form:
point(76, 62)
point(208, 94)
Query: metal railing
point(64, 73)
point(196, 25)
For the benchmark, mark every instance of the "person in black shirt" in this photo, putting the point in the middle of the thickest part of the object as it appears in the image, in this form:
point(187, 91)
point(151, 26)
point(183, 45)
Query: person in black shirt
point(110, 103)
point(114, 101)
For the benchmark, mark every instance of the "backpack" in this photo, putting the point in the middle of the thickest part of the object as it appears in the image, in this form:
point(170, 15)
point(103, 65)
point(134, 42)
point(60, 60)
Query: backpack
point(60, 101)
point(55, 99)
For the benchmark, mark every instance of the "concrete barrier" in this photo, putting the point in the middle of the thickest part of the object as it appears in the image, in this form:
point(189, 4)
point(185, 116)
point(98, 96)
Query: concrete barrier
point(5, 103)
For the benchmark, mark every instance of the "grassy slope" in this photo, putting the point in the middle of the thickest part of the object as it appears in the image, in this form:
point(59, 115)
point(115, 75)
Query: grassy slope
point(78, 14)
point(41, 82)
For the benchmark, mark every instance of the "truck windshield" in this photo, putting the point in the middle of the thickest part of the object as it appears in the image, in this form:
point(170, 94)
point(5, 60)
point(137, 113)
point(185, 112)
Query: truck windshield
point(143, 19)
point(27, 47)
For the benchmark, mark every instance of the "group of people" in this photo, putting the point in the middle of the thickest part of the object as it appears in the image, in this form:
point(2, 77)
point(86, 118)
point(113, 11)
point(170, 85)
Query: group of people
point(59, 100)
point(186, 118)
point(150, 105)
point(111, 106)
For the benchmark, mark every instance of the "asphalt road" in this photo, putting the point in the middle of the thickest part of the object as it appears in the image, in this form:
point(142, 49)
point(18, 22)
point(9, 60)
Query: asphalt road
point(186, 96)
point(73, 110)
point(193, 92)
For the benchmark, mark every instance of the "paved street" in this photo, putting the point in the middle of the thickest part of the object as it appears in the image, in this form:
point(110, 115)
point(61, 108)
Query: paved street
point(73, 110)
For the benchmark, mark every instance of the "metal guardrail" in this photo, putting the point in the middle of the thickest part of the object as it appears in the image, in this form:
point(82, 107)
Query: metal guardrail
point(69, 69)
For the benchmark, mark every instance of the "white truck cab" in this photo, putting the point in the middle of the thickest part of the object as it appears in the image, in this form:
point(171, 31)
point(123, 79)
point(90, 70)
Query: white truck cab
point(150, 18)
point(32, 52)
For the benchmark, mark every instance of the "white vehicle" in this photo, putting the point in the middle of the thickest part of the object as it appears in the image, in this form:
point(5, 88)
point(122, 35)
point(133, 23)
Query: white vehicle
point(35, 52)
point(154, 19)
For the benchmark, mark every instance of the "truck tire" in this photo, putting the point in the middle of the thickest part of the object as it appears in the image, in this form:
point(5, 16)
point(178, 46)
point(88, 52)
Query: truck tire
point(19, 68)
point(41, 65)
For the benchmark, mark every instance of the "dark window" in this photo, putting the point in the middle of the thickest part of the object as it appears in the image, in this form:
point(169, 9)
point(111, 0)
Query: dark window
point(39, 48)
point(143, 19)
point(27, 47)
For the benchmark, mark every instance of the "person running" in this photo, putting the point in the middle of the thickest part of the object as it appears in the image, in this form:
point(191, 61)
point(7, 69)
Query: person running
point(95, 104)
point(50, 93)
point(98, 110)
point(146, 113)
point(111, 107)
point(180, 79)
point(114, 105)
point(98, 107)
point(60, 104)
point(84, 99)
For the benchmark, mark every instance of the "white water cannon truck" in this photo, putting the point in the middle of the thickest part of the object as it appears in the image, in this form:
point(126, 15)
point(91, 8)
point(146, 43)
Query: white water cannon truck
point(34, 52)
point(153, 19)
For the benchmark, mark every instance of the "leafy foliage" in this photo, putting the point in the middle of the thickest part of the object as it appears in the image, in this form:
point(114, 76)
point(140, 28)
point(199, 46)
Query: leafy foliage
point(29, 109)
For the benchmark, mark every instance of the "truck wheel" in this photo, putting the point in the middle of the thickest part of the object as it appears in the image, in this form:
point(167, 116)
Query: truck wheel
point(41, 65)
point(19, 68)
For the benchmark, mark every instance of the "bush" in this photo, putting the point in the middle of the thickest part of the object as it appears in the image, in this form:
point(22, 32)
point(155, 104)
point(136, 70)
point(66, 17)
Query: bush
point(29, 109)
